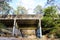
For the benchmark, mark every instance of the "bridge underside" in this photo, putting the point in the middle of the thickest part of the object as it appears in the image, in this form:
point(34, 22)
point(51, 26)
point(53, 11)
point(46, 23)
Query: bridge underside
point(8, 22)
point(22, 23)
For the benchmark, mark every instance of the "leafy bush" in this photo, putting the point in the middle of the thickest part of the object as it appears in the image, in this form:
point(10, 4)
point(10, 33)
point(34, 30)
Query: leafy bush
point(2, 26)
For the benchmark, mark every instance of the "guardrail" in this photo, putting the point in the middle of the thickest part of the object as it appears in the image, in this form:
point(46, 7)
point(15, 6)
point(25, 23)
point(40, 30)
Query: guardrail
point(20, 16)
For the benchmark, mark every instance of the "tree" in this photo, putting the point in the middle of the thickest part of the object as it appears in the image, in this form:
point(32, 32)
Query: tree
point(50, 11)
point(21, 10)
point(5, 0)
point(50, 2)
point(38, 9)
point(48, 21)
point(4, 7)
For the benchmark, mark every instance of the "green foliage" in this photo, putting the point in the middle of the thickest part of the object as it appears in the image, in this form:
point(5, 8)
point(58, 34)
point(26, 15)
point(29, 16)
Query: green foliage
point(2, 26)
point(38, 9)
point(21, 10)
point(49, 11)
point(49, 22)
point(4, 7)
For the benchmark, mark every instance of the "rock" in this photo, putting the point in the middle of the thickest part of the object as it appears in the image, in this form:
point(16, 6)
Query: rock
point(32, 36)
point(28, 31)
point(44, 37)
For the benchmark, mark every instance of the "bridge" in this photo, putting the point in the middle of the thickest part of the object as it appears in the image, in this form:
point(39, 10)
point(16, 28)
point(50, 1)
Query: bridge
point(20, 22)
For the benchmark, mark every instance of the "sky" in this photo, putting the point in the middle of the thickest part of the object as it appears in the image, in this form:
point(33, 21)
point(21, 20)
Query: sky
point(28, 4)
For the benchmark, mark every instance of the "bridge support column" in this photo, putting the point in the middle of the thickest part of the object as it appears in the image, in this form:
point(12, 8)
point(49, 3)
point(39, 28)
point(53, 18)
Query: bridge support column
point(40, 28)
point(14, 26)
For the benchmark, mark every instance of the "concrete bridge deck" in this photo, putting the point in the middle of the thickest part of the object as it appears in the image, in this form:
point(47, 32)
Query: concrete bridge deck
point(21, 16)
point(22, 20)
